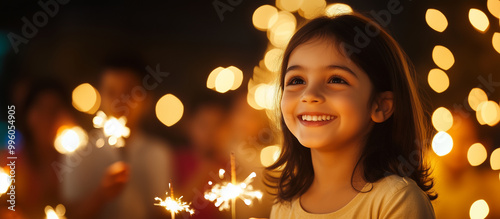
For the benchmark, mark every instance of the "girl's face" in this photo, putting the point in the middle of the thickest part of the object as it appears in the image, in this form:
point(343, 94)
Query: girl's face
point(325, 101)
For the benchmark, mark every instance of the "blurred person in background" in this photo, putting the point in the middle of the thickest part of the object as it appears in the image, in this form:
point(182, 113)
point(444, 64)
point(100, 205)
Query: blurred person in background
point(110, 182)
point(458, 183)
point(250, 131)
point(216, 128)
point(203, 155)
point(45, 108)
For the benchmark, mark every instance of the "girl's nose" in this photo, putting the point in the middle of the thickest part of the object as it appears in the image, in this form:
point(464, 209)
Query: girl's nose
point(312, 94)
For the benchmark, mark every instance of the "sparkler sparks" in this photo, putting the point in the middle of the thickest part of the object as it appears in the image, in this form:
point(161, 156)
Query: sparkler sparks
point(174, 205)
point(222, 193)
point(114, 128)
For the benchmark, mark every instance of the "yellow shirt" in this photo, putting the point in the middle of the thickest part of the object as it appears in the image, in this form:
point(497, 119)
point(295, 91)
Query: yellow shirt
point(391, 197)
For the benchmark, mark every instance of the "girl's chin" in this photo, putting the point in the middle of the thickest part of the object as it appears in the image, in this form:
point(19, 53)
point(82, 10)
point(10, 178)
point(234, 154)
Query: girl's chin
point(314, 144)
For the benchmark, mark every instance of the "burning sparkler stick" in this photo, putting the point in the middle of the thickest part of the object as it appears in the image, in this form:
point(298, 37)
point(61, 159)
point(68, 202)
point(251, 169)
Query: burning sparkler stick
point(174, 205)
point(225, 192)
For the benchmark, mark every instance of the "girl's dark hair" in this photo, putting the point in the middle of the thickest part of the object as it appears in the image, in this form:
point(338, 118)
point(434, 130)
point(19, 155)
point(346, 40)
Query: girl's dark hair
point(395, 146)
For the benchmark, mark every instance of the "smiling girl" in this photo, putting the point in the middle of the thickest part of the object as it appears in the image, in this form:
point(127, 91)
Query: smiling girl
point(353, 126)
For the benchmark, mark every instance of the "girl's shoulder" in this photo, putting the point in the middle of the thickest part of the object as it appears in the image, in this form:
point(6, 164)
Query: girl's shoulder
point(392, 184)
point(390, 197)
point(401, 196)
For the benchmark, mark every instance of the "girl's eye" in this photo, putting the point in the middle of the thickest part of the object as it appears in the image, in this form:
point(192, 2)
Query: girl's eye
point(295, 81)
point(337, 80)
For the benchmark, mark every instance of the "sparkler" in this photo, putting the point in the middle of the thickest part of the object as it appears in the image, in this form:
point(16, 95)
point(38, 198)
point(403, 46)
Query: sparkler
point(222, 193)
point(174, 205)
point(114, 128)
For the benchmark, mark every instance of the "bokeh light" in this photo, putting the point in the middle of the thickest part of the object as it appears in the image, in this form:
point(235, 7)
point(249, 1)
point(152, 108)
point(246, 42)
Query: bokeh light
point(337, 9)
point(476, 96)
point(442, 143)
point(169, 109)
point(238, 77)
point(282, 31)
point(69, 139)
point(479, 209)
point(251, 95)
point(443, 57)
point(436, 20)
point(289, 5)
point(438, 80)
point(476, 155)
point(495, 159)
point(478, 19)
point(224, 81)
point(312, 8)
point(489, 112)
point(269, 155)
point(264, 17)
point(495, 41)
point(479, 115)
point(212, 76)
point(494, 7)
point(4, 181)
point(442, 120)
point(86, 98)
point(272, 59)
point(57, 213)
point(265, 96)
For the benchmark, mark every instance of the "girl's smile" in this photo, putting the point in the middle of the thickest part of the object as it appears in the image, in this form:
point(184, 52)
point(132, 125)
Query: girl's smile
point(315, 119)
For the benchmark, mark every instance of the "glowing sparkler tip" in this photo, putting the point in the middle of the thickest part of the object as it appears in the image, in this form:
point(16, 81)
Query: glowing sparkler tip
point(226, 191)
point(174, 205)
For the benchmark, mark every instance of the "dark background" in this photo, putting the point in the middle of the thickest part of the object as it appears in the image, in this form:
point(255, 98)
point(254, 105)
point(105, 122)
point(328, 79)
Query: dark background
point(188, 40)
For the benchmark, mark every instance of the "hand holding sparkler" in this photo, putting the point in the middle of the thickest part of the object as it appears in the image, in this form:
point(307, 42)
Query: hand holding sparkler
point(115, 179)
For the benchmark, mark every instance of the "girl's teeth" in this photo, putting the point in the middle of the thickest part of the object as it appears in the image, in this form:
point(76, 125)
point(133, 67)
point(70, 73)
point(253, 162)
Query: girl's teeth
point(316, 118)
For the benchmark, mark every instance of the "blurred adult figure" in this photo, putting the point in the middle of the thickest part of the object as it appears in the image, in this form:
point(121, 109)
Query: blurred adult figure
point(43, 110)
point(110, 182)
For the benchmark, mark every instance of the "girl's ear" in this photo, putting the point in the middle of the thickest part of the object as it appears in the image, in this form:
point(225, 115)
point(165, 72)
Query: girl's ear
point(383, 107)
